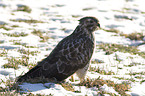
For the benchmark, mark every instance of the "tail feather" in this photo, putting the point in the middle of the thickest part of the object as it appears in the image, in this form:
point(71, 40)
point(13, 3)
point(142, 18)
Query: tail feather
point(34, 72)
point(39, 72)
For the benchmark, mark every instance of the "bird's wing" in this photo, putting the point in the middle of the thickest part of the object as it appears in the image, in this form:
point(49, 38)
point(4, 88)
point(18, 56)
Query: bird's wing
point(70, 55)
point(67, 57)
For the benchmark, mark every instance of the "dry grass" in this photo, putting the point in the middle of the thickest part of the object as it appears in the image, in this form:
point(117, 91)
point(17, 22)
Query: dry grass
point(40, 34)
point(131, 36)
point(111, 30)
point(28, 52)
point(120, 88)
point(24, 8)
point(14, 62)
point(134, 36)
point(111, 48)
point(4, 27)
point(96, 61)
point(12, 89)
point(68, 87)
point(103, 72)
point(3, 53)
point(22, 34)
point(26, 21)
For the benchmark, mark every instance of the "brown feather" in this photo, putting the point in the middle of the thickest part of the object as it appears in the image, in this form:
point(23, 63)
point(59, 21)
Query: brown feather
point(71, 54)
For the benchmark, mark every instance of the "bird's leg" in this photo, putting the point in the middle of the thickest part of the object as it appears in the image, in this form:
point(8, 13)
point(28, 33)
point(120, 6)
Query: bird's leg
point(82, 72)
point(81, 80)
point(72, 78)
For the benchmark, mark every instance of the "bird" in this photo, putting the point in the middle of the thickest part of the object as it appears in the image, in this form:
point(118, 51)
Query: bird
point(71, 55)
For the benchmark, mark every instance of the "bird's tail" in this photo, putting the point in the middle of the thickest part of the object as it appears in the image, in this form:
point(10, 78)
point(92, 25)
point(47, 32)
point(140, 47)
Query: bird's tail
point(34, 72)
point(22, 78)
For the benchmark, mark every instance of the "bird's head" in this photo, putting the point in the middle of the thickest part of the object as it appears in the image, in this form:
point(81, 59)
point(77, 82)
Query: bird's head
point(90, 23)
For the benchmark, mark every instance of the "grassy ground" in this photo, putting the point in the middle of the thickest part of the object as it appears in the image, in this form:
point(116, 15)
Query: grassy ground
point(115, 65)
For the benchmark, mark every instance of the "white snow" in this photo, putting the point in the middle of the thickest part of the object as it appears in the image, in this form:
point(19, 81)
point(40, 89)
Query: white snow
point(60, 18)
point(138, 89)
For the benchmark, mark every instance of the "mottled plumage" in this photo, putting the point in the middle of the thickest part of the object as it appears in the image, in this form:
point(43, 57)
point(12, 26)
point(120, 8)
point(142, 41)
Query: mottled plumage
point(72, 54)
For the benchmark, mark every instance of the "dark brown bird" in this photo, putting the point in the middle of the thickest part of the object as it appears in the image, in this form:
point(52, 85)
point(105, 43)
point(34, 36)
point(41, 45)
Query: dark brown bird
point(72, 54)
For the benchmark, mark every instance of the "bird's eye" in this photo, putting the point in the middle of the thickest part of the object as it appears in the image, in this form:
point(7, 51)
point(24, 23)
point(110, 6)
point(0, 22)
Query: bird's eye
point(91, 21)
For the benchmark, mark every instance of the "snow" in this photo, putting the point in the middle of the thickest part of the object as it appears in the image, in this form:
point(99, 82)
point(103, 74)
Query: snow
point(54, 89)
point(138, 89)
point(108, 89)
point(60, 18)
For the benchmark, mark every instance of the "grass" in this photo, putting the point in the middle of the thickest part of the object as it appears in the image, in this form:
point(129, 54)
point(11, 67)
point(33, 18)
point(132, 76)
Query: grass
point(68, 87)
point(3, 5)
point(101, 71)
point(87, 9)
point(14, 62)
point(142, 81)
point(118, 11)
point(17, 42)
point(24, 8)
point(1, 41)
point(138, 77)
point(12, 89)
point(137, 73)
point(4, 27)
point(29, 46)
point(117, 58)
point(40, 34)
point(22, 34)
point(111, 30)
point(76, 16)
point(132, 64)
point(131, 36)
point(3, 53)
point(127, 79)
point(120, 88)
point(96, 61)
point(30, 94)
point(37, 32)
point(134, 36)
point(28, 52)
point(26, 21)
point(142, 12)
point(108, 48)
point(111, 48)
point(124, 10)
point(14, 26)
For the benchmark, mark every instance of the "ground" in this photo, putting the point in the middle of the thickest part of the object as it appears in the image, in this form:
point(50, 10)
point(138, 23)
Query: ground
point(30, 29)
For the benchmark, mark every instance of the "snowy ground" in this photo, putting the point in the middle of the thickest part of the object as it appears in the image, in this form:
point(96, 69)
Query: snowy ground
point(27, 36)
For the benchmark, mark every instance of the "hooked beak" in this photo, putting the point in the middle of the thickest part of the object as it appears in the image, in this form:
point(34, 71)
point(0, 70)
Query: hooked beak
point(98, 26)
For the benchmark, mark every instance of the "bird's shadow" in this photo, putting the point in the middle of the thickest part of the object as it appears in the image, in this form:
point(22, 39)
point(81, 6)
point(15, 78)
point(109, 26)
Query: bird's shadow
point(43, 86)
point(33, 85)
point(28, 87)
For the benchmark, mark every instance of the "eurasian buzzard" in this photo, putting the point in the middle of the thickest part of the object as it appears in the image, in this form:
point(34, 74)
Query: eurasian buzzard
point(72, 54)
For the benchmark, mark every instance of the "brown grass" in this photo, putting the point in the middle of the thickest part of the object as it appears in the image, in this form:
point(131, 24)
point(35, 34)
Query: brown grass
point(120, 88)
